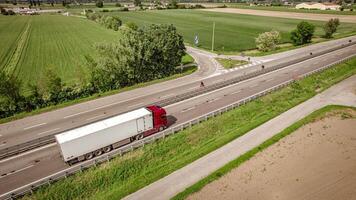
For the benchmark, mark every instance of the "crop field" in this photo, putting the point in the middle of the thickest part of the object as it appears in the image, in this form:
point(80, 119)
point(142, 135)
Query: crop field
point(30, 44)
point(233, 32)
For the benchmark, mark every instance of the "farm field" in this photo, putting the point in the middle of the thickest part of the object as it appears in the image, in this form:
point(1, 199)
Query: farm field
point(233, 32)
point(32, 44)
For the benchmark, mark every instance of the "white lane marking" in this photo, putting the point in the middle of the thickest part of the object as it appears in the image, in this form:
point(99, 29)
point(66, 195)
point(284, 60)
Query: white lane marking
point(217, 81)
point(27, 152)
point(91, 118)
point(48, 131)
point(168, 95)
point(100, 107)
point(0, 135)
point(238, 91)
point(135, 105)
point(3, 144)
point(185, 110)
point(34, 126)
point(271, 79)
point(17, 171)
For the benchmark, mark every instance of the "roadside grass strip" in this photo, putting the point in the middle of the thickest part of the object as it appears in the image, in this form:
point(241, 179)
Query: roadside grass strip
point(230, 63)
point(316, 115)
point(135, 170)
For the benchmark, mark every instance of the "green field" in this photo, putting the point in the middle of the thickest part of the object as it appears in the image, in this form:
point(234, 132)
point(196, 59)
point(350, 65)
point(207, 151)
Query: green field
point(30, 44)
point(233, 32)
point(124, 175)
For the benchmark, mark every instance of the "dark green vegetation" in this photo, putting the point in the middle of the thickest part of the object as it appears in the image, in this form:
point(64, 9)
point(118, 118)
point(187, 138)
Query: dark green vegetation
point(126, 174)
point(316, 115)
point(303, 33)
point(138, 56)
point(31, 44)
point(230, 63)
point(330, 27)
point(233, 32)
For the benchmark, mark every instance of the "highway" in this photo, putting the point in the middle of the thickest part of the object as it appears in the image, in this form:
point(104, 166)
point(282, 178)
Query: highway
point(25, 168)
point(53, 122)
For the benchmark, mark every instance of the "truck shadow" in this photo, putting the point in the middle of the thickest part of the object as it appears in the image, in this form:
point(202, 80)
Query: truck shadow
point(171, 120)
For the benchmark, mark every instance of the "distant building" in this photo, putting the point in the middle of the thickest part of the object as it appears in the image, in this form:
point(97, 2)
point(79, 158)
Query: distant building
point(318, 6)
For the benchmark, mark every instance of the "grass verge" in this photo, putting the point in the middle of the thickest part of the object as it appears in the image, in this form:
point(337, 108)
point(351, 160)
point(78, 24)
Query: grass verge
point(186, 71)
point(229, 63)
point(127, 174)
point(237, 162)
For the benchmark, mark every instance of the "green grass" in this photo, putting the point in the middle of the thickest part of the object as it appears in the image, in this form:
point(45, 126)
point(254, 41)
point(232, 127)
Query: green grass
point(126, 174)
point(233, 32)
point(187, 59)
point(323, 112)
point(52, 41)
point(186, 71)
point(290, 9)
point(230, 63)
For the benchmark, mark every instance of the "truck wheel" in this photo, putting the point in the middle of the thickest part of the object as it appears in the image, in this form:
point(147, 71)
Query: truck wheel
point(161, 128)
point(89, 156)
point(107, 149)
point(139, 137)
point(98, 152)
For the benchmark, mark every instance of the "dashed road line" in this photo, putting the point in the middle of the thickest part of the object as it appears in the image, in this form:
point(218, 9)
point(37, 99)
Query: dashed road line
point(238, 91)
point(17, 171)
point(34, 126)
point(95, 117)
point(187, 109)
point(135, 105)
point(48, 131)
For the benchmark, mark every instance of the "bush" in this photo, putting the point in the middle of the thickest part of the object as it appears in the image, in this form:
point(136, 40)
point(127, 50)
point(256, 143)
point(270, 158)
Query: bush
point(303, 34)
point(105, 10)
point(330, 27)
point(117, 4)
point(125, 9)
point(99, 4)
point(268, 41)
point(11, 12)
point(342, 9)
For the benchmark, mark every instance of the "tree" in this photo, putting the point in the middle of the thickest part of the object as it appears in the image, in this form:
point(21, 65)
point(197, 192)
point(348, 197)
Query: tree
point(139, 55)
point(303, 34)
point(99, 4)
point(330, 27)
point(52, 85)
point(268, 40)
point(137, 2)
point(10, 87)
point(131, 25)
point(173, 4)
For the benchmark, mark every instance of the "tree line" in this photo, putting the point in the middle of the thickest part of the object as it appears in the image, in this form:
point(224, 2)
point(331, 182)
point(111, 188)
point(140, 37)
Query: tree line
point(140, 55)
point(301, 35)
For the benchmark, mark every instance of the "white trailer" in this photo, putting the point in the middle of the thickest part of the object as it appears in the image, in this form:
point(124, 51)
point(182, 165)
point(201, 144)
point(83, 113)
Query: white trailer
point(81, 143)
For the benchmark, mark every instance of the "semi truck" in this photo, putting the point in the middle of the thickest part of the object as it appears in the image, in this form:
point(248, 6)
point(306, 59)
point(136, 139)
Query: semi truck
point(88, 141)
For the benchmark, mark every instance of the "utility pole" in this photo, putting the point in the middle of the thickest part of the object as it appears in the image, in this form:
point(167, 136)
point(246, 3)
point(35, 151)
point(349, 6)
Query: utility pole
point(212, 40)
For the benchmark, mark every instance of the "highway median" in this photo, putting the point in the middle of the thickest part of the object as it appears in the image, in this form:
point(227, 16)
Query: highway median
point(132, 171)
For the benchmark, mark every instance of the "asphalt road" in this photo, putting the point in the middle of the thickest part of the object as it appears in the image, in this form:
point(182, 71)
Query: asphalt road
point(53, 122)
point(31, 166)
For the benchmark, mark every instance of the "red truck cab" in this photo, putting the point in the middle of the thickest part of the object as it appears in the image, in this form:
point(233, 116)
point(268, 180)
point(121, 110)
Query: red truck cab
point(159, 119)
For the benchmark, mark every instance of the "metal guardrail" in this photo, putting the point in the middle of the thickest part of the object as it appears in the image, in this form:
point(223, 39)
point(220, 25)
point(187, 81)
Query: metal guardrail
point(20, 148)
point(30, 188)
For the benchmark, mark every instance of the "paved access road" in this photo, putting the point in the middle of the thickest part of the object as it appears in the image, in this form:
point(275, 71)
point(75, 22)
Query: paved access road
point(31, 166)
point(167, 187)
point(53, 122)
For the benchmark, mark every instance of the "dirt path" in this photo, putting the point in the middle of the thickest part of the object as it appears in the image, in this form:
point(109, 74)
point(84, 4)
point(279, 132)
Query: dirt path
point(318, 161)
point(306, 16)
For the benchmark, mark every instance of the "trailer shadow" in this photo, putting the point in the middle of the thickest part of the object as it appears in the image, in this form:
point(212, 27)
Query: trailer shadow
point(171, 120)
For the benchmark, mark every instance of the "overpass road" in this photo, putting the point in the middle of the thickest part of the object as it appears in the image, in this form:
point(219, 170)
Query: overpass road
point(33, 165)
point(50, 123)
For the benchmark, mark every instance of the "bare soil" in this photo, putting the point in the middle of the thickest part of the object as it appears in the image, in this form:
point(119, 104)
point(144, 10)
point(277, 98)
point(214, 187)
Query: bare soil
point(318, 161)
point(293, 15)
